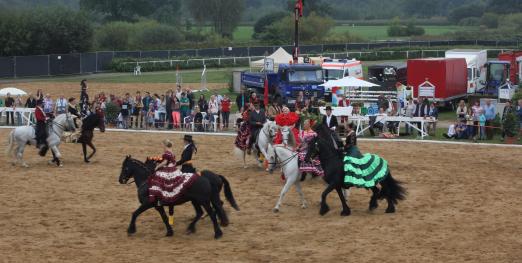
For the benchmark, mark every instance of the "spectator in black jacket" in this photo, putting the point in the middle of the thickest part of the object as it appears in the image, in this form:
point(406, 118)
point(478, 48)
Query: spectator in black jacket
point(9, 103)
point(329, 119)
point(30, 102)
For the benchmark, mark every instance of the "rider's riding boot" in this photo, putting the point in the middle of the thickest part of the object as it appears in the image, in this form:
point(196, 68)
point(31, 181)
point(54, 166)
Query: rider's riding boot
point(43, 149)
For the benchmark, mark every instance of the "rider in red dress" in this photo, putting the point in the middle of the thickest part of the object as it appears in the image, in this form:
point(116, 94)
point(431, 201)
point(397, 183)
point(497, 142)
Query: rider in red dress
point(41, 130)
point(288, 119)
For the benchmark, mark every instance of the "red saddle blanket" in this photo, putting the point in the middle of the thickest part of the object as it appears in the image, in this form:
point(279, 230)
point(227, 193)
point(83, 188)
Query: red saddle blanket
point(169, 184)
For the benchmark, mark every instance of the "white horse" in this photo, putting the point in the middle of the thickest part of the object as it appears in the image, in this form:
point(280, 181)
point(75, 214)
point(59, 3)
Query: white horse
point(288, 161)
point(264, 138)
point(23, 135)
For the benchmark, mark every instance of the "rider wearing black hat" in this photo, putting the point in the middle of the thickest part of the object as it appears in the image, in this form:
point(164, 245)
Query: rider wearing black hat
point(186, 155)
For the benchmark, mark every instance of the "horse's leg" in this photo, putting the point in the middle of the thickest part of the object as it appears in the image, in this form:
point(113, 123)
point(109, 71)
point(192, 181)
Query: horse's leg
point(288, 184)
point(301, 194)
point(141, 209)
point(346, 210)
point(373, 201)
point(217, 204)
point(56, 156)
point(163, 215)
point(244, 159)
point(199, 212)
point(324, 207)
point(20, 155)
point(84, 148)
point(91, 145)
point(217, 230)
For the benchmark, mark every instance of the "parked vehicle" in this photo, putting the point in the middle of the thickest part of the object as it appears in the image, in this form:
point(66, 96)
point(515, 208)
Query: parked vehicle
point(334, 69)
point(497, 73)
point(515, 60)
point(289, 80)
point(476, 61)
point(388, 74)
point(440, 79)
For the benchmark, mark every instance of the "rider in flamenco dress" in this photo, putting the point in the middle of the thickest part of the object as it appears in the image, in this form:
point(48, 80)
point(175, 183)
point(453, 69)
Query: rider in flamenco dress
point(287, 119)
point(305, 166)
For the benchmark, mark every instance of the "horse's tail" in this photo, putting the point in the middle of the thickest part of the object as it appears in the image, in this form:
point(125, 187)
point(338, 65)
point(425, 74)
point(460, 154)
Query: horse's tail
point(10, 145)
point(392, 189)
point(228, 193)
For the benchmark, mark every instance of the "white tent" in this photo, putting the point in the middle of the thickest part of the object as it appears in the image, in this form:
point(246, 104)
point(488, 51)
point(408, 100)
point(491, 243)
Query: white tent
point(279, 57)
point(349, 82)
point(12, 91)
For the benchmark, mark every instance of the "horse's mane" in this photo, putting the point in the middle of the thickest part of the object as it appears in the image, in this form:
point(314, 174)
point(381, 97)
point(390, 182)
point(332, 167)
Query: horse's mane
point(90, 122)
point(325, 133)
point(291, 138)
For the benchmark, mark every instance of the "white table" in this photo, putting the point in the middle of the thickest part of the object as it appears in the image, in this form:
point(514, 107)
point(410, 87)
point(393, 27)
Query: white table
point(27, 113)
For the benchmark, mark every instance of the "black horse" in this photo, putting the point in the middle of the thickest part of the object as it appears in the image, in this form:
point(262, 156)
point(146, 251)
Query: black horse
point(88, 124)
point(217, 182)
point(326, 147)
point(199, 193)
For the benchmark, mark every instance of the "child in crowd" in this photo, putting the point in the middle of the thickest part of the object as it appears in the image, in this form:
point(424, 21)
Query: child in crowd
point(482, 124)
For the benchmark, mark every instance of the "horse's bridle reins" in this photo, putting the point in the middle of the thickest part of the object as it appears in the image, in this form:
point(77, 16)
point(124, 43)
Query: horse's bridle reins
point(286, 161)
point(67, 118)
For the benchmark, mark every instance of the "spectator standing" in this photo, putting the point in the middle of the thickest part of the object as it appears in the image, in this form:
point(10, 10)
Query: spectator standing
point(490, 114)
point(225, 111)
point(39, 95)
point(178, 92)
point(508, 108)
point(30, 102)
point(409, 109)
point(299, 101)
point(147, 99)
point(168, 108)
point(184, 108)
point(254, 99)
point(61, 105)
point(9, 103)
point(162, 111)
point(176, 116)
point(434, 115)
point(190, 97)
point(462, 110)
point(482, 126)
point(382, 102)
point(219, 98)
point(137, 111)
point(273, 110)
point(202, 104)
point(330, 120)
point(18, 104)
point(125, 111)
point(150, 115)
point(475, 114)
point(213, 109)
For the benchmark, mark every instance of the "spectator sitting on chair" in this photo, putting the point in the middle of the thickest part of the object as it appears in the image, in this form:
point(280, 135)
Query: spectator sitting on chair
point(433, 115)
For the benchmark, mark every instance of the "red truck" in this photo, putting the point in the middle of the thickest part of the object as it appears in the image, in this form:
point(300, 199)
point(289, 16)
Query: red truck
point(515, 69)
point(440, 79)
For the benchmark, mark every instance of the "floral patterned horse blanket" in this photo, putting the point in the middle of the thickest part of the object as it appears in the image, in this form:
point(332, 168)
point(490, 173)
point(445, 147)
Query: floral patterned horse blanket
point(168, 185)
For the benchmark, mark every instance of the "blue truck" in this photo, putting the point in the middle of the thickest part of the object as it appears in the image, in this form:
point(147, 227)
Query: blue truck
point(286, 84)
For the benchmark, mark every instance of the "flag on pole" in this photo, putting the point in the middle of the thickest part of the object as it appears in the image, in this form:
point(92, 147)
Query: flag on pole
point(299, 6)
point(266, 92)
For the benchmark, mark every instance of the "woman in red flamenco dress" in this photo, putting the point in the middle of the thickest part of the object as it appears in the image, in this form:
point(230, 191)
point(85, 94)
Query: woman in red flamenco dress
point(287, 119)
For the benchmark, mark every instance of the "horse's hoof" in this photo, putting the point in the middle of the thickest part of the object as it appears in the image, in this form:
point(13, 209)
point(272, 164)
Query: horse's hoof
point(275, 210)
point(190, 230)
point(169, 233)
point(224, 224)
point(373, 207)
point(324, 209)
point(346, 213)
point(218, 234)
point(25, 165)
point(390, 210)
point(244, 167)
point(131, 230)
point(86, 161)
point(304, 206)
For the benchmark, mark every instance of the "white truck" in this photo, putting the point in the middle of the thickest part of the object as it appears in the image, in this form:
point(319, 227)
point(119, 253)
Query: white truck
point(334, 69)
point(476, 64)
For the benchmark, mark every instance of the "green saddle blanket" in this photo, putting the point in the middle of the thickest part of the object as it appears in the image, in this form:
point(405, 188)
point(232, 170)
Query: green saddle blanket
point(366, 171)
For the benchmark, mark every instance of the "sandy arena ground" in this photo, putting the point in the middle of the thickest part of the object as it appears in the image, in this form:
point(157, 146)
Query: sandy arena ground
point(463, 205)
point(71, 89)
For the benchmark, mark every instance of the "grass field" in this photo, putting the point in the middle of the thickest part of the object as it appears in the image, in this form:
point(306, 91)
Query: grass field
point(244, 33)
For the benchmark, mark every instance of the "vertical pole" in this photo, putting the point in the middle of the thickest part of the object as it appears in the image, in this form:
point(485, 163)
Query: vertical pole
point(296, 36)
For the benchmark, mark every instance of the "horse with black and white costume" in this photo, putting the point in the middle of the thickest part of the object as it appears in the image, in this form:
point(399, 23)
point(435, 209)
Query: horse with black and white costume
point(24, 135)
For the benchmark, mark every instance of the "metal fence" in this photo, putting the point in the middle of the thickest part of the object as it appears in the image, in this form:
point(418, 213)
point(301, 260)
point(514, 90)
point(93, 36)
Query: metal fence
point(84, 63)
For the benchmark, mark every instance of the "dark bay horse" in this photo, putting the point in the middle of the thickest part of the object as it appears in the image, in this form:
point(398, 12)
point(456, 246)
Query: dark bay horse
point(88, 124)
point(199, 193)
point(325, 146)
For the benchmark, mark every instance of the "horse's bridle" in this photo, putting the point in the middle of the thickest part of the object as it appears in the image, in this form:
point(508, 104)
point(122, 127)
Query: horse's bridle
point(67, 118)
point(284, 162)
